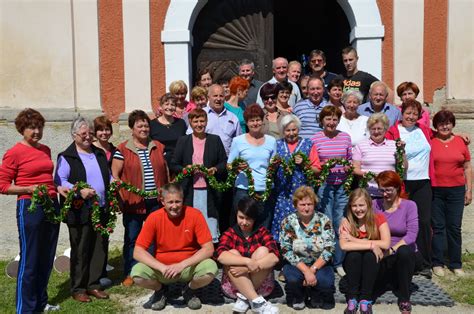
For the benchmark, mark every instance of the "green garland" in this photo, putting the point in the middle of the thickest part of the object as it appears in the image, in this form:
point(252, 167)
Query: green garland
point(331, 163)
point(311, 177)
point(364, 181)
point(40, 197)
point(399, 154)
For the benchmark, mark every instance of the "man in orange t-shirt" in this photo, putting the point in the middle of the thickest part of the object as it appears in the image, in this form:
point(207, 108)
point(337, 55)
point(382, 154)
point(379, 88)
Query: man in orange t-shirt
point(183, 247)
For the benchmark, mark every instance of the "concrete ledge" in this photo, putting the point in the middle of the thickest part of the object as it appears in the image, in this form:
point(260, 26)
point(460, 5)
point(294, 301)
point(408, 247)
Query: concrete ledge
point(57, 115)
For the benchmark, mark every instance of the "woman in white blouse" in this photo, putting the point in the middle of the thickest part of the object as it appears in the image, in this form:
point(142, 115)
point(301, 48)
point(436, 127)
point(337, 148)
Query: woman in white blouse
point(351, 122)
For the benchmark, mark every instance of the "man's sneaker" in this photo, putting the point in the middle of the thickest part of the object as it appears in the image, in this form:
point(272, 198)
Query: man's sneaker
point(365, 307)
point(263, 307)
point(351, 307)
point(438, 271)
point(51, 308)
point(190, 298)
point(241, 305)
point(157, 301)
point(405, 307)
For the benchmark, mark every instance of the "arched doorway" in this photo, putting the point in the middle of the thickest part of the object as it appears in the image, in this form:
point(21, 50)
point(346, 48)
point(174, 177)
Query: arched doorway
point(366, 33)
point(226, 32)
point(301, 26)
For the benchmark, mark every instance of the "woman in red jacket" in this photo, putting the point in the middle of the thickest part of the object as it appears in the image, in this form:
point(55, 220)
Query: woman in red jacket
point(25, 166)
point(139, 162)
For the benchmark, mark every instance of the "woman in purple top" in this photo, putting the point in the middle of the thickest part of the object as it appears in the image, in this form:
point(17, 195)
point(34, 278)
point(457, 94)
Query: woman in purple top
point(331, 143)
point(82, 161)
point(397, 267)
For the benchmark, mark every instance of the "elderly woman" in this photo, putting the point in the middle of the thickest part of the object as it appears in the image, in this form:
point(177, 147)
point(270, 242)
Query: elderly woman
point(103, 132)
point(335, 88)
point(307, 245)
point(285, 186)
point(138, 161)
point(284, 90)
point(452, 190)
point(83, 162)
point(375, 154)
point(248, 253)
point(25, 166)
point(167, 129)
point(272, 115)
point(409, 90)
point(419, 176)
point(397, 267)
point(179, 90)
point(351, 122)
point(201, 148)
point(239, 88)
point(256, 148)
point(331, 143)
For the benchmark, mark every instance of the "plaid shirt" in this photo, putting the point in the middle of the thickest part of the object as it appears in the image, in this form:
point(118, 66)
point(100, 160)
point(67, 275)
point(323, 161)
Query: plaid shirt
point(233, 238)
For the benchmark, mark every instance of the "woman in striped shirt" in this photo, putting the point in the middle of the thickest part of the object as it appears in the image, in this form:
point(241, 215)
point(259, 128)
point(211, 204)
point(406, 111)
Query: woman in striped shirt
point(140, 162)
point(375, 154)
point(332, 143)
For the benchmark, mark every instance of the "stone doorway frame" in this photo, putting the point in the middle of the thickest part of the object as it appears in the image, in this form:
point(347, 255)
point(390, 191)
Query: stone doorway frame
point(364, 19)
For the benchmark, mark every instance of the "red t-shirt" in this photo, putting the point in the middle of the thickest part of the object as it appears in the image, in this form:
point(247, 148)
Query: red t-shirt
point(26, 165)
point(449, 159)
point(175, 239)
point(379, 220)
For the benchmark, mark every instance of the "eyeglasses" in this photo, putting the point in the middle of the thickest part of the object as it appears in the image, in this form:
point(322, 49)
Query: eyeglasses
point(272, 97)
point(389, 190)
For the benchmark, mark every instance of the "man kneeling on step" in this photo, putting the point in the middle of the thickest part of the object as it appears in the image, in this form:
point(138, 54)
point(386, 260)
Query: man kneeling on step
point(183, 247)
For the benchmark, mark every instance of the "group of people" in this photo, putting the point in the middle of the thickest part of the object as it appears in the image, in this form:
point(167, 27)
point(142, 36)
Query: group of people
point(376, 238)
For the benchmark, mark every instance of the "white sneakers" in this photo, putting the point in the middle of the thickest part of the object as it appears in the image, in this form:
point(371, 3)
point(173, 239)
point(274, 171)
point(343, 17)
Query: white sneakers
point(438, 271)
point(241, 304)
point(259, 305)
point(459, 272)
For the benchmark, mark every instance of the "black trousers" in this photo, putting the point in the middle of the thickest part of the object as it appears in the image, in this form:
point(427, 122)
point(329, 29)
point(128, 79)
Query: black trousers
point(361, 268)
point(420, 192)
point(395, 273)
point(88, 255)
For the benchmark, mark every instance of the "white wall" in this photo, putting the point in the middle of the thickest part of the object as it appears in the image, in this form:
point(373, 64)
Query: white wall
point(408, 43)
point(86, 48)
point(36, 63)
point(136, 42)
point(460, 49)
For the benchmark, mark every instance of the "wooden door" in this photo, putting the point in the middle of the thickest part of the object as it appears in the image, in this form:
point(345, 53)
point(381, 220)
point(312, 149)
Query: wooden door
point(227, 31)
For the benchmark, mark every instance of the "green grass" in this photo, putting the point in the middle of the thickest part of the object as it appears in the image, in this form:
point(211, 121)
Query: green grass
point(461, 289)
point(59, 291)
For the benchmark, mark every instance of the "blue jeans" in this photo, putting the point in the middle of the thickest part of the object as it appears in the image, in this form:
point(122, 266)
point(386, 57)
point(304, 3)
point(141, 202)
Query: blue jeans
point(332, 202)
point(294, 281)
point(446, 220)
point(133, 225)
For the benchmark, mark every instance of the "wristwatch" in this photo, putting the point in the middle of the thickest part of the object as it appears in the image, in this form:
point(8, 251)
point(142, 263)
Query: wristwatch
point(314, 268)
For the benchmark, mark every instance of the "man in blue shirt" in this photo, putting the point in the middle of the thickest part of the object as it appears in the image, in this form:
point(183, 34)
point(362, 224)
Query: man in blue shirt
point(220, 121)
point(378, 94)
point(308, 110)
